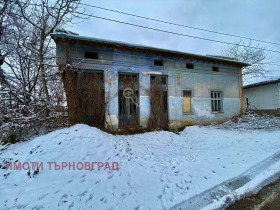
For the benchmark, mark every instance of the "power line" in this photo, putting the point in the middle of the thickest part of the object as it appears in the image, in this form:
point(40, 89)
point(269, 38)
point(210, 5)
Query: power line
point(174, 33)
point(180, 25)
point(271, 64)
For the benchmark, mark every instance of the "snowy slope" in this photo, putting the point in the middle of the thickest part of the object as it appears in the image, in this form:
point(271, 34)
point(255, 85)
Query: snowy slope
point(157, 170)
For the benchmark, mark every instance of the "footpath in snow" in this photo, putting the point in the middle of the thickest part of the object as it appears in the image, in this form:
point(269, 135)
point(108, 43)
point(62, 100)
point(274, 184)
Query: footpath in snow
point(201, 167)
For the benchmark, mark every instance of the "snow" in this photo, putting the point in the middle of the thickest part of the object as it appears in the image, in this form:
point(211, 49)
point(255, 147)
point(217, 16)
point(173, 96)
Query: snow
point(157, 170)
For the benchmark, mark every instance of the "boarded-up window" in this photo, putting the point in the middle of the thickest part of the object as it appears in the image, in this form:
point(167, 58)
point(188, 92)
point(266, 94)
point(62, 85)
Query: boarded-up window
point(187, 94)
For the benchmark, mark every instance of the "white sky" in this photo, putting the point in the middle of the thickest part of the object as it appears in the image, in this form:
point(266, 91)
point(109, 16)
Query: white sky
point(257, 19)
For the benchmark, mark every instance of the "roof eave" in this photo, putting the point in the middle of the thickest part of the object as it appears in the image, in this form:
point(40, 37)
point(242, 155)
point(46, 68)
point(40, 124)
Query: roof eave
point(61, 35)
point(262, 83)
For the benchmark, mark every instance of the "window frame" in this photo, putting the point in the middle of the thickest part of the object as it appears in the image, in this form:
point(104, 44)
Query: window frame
point(216, 101)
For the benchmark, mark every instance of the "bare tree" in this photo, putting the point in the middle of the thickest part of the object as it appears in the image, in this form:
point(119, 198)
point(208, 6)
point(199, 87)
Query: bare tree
point(45, 16)
point(30, 73)
point(25, 42)
point(6, 30)
point(255, 55)
point(3, 9)
point(21, 60)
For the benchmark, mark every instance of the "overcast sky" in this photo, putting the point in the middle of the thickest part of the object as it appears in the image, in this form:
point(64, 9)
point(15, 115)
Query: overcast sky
point(257, 19)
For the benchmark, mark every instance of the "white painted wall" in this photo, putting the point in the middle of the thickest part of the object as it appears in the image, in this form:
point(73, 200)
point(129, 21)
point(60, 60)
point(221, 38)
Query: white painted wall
point(265, 97)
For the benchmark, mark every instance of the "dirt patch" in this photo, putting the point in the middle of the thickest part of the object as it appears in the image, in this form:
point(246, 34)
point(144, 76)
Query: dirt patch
point(268, 198)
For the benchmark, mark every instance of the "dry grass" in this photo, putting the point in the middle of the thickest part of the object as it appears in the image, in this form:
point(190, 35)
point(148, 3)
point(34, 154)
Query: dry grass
point(158, 119)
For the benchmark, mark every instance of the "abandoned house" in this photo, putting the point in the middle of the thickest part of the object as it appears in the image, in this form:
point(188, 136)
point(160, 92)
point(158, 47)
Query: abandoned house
point(120, 85)
point(263, 97)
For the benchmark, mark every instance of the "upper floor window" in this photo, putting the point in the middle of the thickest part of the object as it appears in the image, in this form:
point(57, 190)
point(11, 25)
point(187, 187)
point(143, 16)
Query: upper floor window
point(215, 68)
point(158, 62)
point(91, 55)
point(189, 66)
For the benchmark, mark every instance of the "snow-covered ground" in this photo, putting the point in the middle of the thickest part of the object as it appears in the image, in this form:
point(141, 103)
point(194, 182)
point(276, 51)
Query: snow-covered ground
point(157, 170)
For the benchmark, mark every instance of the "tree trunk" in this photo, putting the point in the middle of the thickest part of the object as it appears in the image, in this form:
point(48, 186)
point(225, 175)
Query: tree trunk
point(42, 67)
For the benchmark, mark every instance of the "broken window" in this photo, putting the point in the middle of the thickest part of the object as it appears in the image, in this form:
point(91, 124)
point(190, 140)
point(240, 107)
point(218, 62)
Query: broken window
point(158, 62)
point(216, 101)
point(187, 94)
point(91, 55)
point(189, 66)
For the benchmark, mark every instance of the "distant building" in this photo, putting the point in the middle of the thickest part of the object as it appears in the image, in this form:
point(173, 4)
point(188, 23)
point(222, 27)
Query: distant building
point(263, 95)
point(137, 86)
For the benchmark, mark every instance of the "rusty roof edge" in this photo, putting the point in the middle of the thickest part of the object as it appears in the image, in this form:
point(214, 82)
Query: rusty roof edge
point(91, 39)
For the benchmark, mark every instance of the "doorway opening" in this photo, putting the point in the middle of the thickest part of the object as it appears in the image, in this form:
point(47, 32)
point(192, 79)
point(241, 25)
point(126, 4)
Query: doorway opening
point(128, 100)
point(159, 104)
point(91, 98)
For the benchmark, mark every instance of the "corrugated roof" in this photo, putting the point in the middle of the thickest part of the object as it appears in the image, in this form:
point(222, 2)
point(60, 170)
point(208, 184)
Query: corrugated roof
point(73, 36)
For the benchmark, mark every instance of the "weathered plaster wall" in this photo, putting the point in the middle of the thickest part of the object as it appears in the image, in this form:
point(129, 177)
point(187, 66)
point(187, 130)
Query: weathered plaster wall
point(200, 80)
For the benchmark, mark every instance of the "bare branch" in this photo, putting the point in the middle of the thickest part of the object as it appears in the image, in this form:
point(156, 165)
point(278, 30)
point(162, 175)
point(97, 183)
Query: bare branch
point(254, 57)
